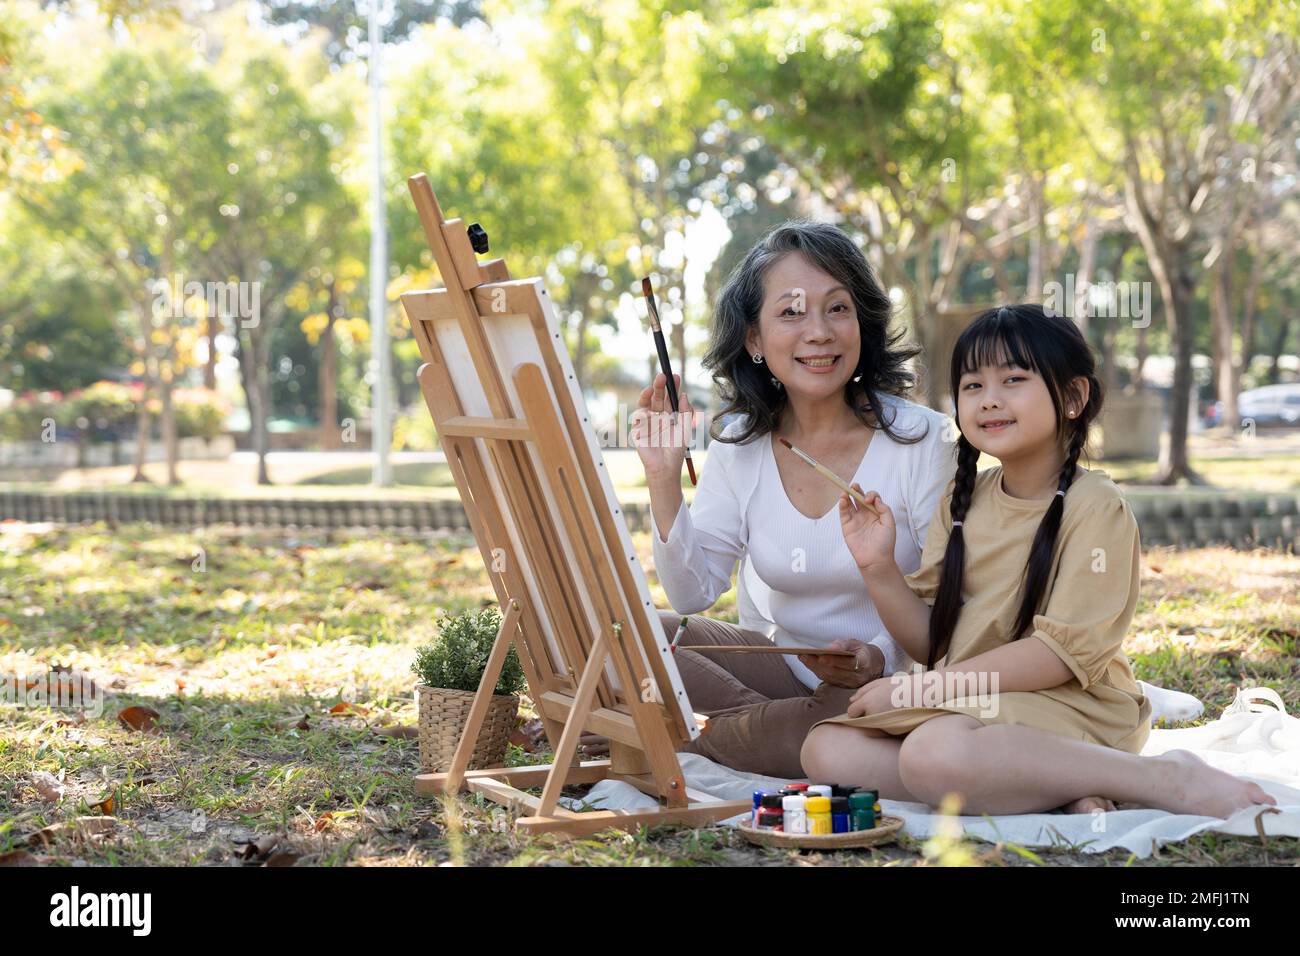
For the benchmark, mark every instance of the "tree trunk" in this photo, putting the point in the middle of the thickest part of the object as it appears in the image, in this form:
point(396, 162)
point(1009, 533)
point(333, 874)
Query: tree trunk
point(253, 376)
point(1106, 347)
point(1143, 350)
point(1221, 321)
point(168, 423)
point(142, 435)
point(1279, 346)
point(329, 416)
point(1174, 463)
point(142, 421)
point(262, 390)
point(1249, 310)
point(210, 366)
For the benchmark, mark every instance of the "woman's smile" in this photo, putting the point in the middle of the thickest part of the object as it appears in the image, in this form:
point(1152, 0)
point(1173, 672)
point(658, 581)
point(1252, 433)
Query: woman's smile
point(819, 364)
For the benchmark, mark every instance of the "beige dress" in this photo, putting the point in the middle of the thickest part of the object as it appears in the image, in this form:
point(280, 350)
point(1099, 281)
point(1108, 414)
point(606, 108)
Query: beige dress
point(1091, 596)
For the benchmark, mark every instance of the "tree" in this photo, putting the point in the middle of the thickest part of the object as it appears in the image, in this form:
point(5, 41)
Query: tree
point(866, 102)
point(58, 317)
point(139, 201)
point(1175, 84)
point(499, 150)
point(279, 203)
point(626, 83)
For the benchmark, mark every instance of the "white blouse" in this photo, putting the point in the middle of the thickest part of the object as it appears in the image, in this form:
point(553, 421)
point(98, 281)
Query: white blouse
point(798, 583)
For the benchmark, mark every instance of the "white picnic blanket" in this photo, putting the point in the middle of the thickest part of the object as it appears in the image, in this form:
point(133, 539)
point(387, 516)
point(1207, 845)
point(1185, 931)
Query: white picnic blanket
point(1253, 740)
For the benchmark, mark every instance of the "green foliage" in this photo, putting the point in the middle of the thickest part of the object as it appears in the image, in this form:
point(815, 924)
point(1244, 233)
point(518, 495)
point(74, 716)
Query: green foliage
point(107, 411)
point(104, 407)
point(456, 660)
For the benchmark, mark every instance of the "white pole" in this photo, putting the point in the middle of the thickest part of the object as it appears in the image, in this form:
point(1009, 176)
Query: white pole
point(380, 389)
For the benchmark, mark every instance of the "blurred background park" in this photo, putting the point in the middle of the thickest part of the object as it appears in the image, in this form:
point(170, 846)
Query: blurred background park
point(190, 301)
point(185, 225)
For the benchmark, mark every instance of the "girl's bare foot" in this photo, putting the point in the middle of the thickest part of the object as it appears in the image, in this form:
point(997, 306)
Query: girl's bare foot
point(1194, 787)
point(1088, 805)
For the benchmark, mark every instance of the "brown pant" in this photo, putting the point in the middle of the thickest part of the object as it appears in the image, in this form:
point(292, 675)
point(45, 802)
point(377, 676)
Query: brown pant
point(759, 712)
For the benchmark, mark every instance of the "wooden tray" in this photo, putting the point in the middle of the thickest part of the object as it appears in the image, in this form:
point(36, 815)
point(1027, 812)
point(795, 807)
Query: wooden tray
point(885, 832)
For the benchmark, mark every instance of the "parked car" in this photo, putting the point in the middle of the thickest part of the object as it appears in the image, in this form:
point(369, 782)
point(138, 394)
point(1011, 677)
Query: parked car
point(1270, 406)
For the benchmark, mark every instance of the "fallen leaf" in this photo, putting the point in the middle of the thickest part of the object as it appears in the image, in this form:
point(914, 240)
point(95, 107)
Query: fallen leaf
point(105, 805)
point(138, 718)
point(405, 731)
point(343, 708)
point(81, 826)
point(529, 735)
point(283, 858)
point(18, 858)
point(48, 786)
point(324, 821)
point(180, 686)
point(260, 848)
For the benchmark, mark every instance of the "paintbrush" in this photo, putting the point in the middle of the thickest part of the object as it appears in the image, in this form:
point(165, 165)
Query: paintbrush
point(826, 473)
point(662, 347)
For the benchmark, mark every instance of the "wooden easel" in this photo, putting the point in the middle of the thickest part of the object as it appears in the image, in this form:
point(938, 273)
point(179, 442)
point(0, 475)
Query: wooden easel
point(551, 532)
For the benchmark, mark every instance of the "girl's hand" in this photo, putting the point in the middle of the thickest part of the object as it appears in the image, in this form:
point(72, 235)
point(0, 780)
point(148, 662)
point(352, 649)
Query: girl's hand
point(868, 529)
point(872, 698)
point(658, 435)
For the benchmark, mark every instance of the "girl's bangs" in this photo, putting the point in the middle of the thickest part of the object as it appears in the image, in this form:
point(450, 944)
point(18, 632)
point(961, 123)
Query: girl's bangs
point(994, 341)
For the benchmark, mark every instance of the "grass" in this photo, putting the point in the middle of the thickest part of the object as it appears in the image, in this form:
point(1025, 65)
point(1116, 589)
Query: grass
point(1271, 473)
point(245, 642)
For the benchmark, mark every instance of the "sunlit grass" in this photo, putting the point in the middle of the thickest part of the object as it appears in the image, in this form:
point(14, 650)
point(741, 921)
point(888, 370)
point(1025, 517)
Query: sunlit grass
point(243, 647)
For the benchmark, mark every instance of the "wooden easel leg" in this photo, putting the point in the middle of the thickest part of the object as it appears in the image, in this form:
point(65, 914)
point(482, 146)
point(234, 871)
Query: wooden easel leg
point(582, 700)
point(478, 711)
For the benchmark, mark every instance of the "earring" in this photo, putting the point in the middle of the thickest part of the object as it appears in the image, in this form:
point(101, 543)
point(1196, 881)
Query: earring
point(777, 382)
point(758, 358)
point(858, 377)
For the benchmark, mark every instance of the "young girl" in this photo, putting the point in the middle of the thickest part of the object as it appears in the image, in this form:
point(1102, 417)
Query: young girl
point(1027, 584)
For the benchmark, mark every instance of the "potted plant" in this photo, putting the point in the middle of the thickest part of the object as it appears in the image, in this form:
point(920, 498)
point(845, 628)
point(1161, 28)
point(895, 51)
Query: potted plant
point(449, 670)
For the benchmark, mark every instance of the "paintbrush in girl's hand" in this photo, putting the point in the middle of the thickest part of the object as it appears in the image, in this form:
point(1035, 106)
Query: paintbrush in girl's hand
point(826, 473)
point(662, 347)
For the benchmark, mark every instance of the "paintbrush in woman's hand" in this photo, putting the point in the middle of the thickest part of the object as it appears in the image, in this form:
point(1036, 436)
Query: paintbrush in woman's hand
point(662, 347)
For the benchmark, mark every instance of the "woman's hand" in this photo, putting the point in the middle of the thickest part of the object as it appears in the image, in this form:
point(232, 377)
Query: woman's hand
point(868, 529)
point(659, 436)
point(867, 663)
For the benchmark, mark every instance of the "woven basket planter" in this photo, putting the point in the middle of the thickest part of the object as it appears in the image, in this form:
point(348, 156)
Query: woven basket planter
point(443, 714)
